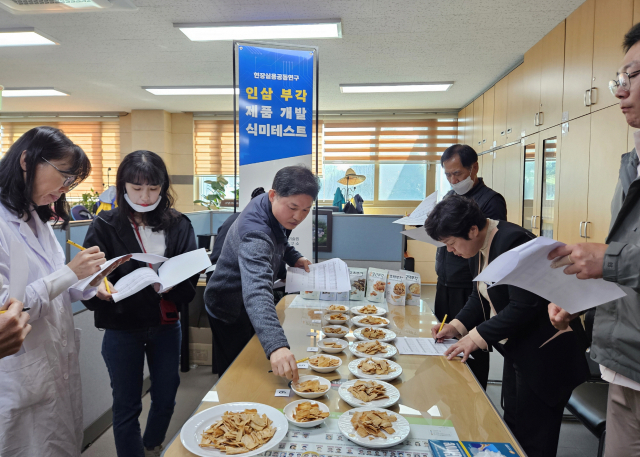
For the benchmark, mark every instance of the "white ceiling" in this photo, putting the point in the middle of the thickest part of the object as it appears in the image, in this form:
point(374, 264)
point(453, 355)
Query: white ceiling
point(104, 58)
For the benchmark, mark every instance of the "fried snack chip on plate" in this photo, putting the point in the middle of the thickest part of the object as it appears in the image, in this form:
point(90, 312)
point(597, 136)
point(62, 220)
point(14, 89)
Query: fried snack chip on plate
point(337, 308)
point(372, 423)
point(368, 309)
point(373, 320)
point(324, 362)
point(371, 366)
point(310, 386)
point(338, 317)
point(373, 333)
point(237, 433)
point(334, 330)
point(368, 391)
point(308, 412)
point(371, 348)
point(333, 345)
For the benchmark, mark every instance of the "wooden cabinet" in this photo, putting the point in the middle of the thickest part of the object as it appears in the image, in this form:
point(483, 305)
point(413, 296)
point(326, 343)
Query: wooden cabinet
point(499, 170)
point(478, 107)
point(468, 136)
point(531, 89)
point(551, 78)
point(636, 11)
point(514, 104)
point(500, 111)
point(487, 169)
point(461, 125)
point(513, 185)
point(487, 119)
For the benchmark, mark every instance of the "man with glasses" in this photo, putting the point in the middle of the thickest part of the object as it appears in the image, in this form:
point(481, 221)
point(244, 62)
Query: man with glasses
point(616, 328)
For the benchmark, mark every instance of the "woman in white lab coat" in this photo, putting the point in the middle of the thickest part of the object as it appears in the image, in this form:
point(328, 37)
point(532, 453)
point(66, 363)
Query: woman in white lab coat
point(41, 396)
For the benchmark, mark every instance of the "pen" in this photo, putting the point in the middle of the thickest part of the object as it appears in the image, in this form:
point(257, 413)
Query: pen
point(23, 310)
point(76, 245)
point(441, 325)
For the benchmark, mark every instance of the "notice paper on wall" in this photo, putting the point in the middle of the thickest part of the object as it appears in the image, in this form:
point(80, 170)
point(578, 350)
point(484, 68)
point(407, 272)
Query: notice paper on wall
point(420, 234)
point(527, 267)
point(422, 346)
point(329, 276)
point(419, 215)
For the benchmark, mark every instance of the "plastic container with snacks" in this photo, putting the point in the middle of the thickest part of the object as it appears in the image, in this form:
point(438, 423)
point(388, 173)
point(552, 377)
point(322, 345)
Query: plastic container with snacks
point(358, 279)
point(310, 295)
point(328, 296)
point(395, 293)
point(376, 284)
point(412, 287)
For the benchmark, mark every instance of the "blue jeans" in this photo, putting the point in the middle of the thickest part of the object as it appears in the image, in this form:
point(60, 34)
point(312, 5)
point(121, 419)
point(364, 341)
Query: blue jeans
point(124, 352)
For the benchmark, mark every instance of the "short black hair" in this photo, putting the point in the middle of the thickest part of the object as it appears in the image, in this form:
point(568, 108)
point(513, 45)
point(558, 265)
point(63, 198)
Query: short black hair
point(631, 38)
point(296, 180)
point(257, 191)
point(41, 144)
point(454, 216)
point(467, 154)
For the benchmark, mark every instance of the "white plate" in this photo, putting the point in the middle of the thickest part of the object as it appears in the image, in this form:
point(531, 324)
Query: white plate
point(356, 321)
point(379, 311)
point(290, 408)
point(332, 340)
point(191, 433)
point(391, 350)
point(392, 392)
point(325, 369)
point(337, 321)
point(353, 368)
point(327, 310)
point(336, 335)
point(389, 335)
point(312, 395)
point(401, 427)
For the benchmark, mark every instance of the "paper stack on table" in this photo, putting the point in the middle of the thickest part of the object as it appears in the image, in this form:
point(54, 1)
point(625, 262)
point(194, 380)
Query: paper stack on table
point(422, 346)
point(419, 215)
point(527, 267)
point(329, 276)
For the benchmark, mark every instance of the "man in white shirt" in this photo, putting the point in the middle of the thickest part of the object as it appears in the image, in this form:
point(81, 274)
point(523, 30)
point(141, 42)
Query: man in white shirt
point(616, 329)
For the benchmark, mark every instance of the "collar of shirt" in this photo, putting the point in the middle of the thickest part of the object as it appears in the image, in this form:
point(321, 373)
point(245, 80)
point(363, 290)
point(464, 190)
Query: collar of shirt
point(636, 141)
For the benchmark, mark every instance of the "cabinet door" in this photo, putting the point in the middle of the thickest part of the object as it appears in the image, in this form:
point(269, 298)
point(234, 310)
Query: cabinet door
point(551, 77)
point(636, 11)
point(549, 146)
point(471, 120)
point(578, 59)
point(478, 107)
point(531, 191)
point(609, 130)
point(461, 124)
point(514, 104)
point(487, 169)
point(487, 119)
point(531, 94)
point(612, 20)
point(573, 185)
point(500, 111)
point(513, 183)
point(499, 171)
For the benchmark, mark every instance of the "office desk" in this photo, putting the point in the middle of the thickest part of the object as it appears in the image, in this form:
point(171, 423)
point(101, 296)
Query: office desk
point(425, 381)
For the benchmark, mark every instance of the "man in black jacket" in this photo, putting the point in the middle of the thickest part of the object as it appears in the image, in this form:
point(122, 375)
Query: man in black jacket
point(460, 163)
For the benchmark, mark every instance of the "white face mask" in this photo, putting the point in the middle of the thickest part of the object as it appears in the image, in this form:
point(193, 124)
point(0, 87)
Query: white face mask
point(140, 208)
point(463, 186)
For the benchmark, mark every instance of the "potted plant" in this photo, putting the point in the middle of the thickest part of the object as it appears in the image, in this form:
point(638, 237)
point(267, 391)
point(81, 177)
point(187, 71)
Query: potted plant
point(216, 194)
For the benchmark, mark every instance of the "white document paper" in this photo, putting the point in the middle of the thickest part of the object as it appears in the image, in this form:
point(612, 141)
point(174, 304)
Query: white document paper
point(172, 272)
point(329, 276)
point(422, 346)
point(419, 215)
point(527, 267)
point(420, 234)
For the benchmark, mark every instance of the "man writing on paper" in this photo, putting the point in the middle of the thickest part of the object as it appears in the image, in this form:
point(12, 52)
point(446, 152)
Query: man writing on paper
point(460, 163)
point(616, 328)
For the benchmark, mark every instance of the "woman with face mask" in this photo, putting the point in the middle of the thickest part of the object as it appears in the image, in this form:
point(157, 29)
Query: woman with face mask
point(41, 399)
point(145, 323)
point(239, 296)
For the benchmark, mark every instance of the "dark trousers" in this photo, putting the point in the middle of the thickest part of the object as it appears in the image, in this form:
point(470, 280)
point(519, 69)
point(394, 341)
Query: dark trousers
point(124, 352)
point(449, 301)
point(229, 340)
point(535, 424)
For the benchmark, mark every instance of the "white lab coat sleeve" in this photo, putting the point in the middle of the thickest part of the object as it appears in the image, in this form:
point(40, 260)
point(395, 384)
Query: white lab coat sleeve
point(63, 279)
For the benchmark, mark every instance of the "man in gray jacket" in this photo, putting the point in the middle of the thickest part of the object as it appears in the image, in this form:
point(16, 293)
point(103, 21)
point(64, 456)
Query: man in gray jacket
point(616, 329)
point(239, 295)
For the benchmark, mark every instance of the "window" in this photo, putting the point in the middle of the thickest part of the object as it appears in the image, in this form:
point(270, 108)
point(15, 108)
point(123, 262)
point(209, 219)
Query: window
point(205, 188)
point(402, 181)
point(334, 172)
point(442, 185)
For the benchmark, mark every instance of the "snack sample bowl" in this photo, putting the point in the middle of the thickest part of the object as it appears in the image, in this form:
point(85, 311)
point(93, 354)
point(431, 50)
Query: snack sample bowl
point(392, 393)
point(327, 331)
point(357, 310)
point(358, 321)
point(291, 407)
point(389, 335)
point(325, 369)
point(343, 345)
point(311, 395)
point(357, 372)
point(391, 350)
point(341, 321)
point(335, 308)
point(401, 429)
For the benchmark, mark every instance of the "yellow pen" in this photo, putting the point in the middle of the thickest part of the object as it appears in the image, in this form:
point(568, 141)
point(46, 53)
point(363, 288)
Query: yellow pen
point(76, 245)
point(441, 325)
point(24, 310)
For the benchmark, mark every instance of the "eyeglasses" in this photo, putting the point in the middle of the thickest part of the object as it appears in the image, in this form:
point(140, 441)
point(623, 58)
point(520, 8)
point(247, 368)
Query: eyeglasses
point(623, 81)
point(69, 180)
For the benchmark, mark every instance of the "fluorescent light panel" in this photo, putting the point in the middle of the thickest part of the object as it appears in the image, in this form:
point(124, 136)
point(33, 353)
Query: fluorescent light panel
point(191, 90)
point(395, 87)
point(32, 92)
point(262, 30)
point(23, 37)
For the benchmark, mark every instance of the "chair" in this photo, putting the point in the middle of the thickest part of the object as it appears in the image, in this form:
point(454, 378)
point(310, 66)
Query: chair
point(588, 402)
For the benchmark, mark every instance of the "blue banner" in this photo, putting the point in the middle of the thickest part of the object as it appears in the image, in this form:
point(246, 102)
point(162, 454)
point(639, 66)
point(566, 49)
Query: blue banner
point(276, 103)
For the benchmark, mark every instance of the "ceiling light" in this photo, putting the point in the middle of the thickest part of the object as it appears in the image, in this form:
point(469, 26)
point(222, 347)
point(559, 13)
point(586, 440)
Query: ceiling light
point(263, 30)
point(32, 92)
point(395, 87)
point(191, 90)
point(23, 37)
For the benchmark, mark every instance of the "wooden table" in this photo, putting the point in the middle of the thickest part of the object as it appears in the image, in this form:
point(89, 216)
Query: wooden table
point(425, 381)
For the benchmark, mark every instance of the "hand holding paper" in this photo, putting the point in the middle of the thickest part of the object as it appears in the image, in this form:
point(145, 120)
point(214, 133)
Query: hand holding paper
point(329, 276)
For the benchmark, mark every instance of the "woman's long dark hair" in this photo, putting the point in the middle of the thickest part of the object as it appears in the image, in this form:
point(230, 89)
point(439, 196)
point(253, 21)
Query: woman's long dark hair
point(146, 167)
point(39, 143)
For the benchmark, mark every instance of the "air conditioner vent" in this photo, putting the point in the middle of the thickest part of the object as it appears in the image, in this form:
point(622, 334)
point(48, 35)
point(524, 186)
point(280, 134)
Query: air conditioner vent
point(48, 2)
point(64, 6)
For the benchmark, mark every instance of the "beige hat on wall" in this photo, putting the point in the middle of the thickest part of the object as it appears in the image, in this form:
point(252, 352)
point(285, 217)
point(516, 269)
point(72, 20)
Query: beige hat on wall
point(351, 178)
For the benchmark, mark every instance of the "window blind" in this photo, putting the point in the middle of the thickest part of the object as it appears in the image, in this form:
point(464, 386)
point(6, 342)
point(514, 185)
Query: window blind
point(99, 140)
point(214, 147)
point(389, 141)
